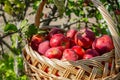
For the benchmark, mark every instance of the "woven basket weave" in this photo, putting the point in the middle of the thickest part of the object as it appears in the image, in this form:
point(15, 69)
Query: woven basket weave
point(38, 67)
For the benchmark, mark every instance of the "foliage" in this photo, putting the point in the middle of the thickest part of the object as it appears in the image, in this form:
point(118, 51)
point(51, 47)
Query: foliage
point(11, 63)
point(7, 70)
point(10, 28)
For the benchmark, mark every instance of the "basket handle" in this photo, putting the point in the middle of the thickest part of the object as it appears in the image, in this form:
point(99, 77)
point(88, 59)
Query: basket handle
point(38, 13)
point(112, 27)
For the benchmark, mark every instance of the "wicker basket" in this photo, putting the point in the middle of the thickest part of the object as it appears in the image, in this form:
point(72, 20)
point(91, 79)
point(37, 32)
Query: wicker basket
point(97, 68)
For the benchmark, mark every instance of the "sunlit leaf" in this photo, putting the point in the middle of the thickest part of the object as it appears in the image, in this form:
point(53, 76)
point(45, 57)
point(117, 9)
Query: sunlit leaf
point(23, 23)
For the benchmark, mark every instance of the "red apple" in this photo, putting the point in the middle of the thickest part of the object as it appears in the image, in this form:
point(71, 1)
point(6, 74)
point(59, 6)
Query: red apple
point(103, 44)
point(61, 48)
point(72, 42)
point(88, 56)
point(69, 54)
point(53, 31)
point(35, 41)
point(85, 38)
point(117, 12)
point(89, 53)
point(43, 47)
point(59, 40)
point(71, 33)
point(53, 53)
point(79, 50)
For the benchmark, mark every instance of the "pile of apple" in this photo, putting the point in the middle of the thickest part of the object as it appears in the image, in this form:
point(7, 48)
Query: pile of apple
point(71, 45)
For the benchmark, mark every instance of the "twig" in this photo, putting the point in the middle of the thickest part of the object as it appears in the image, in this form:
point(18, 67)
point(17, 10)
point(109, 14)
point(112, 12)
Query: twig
point(67, 25)
point(4, 18)
point(49, 19)
point(8, 46)
point(3, 14)
point(117, 4)
point(48, 6)
point(2, 50)
point(27, 6)
point(8, 34)
point(54, 10)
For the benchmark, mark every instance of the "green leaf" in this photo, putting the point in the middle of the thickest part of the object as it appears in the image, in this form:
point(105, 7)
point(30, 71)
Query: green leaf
point(24, 77)
point(60, 6)
point(8, 7)
point(31, 30)
point(10, 75)
point(98, 15)
point(68, 12)
point(23, 23)
point(10, 28)
point(84, 19)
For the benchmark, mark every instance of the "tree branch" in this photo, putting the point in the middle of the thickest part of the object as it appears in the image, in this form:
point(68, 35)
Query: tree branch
point(116, 1)
point(8, 34)
point(8, 46)
point(3, 14)
point(48, 19)
point(67, 25)
point(54, 10)
point(4, 18)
